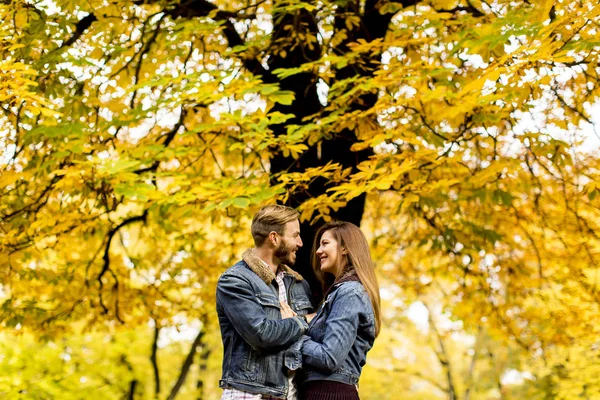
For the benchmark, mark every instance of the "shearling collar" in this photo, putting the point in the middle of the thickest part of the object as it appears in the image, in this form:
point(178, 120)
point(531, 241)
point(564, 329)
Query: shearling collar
point(263, 272)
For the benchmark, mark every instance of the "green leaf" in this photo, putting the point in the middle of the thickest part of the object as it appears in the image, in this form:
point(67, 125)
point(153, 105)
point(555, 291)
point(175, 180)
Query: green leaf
point(241, 202)
point(284, 97)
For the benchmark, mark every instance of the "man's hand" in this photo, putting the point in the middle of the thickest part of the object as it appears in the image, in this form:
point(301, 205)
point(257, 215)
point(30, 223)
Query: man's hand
point(286, 310)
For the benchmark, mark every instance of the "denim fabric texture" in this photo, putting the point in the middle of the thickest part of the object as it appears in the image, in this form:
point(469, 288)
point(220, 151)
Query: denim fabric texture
point(254, 335)
point(338, 339)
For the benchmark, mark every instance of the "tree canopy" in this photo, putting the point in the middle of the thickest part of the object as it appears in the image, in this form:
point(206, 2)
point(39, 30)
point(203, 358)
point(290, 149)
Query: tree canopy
point(138, 138)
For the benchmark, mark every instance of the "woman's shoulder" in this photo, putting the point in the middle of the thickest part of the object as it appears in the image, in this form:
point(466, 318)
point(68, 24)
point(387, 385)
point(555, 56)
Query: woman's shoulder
point(350, 288)
point(351, 296)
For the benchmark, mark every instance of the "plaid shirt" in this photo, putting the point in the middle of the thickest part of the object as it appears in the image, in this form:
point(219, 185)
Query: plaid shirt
point(234, 394)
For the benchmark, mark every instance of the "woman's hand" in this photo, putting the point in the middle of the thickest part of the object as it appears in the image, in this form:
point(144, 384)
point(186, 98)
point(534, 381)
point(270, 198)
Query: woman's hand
point(286, 310)
point(309, 317)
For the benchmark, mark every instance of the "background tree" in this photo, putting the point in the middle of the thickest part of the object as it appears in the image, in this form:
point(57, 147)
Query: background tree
point(139, 137)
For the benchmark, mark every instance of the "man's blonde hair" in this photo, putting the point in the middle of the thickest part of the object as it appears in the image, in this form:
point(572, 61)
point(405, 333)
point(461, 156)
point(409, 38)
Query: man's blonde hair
point(271, 218)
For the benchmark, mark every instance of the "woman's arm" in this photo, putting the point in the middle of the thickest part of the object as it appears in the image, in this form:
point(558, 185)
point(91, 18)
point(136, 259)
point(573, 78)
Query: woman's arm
point(341, 328)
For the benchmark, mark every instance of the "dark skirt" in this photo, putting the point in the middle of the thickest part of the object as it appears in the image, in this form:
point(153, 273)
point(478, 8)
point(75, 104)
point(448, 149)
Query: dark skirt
point(327, 390)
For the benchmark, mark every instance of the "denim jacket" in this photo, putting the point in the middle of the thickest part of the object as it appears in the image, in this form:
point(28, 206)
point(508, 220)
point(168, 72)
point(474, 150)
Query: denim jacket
point(339, 337)
point(253, 333)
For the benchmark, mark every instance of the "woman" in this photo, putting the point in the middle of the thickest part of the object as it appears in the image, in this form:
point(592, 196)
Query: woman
point(348, 321)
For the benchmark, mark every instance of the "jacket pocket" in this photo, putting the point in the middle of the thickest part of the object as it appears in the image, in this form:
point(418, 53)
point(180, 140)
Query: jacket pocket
point(267, 299)
point(302, 307)
point(270, 304)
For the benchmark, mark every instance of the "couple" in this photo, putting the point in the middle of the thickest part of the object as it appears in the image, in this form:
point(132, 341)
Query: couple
point(274, 346)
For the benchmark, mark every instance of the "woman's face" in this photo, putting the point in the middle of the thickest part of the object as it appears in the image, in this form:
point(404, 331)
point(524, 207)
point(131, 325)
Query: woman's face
point(330, 254)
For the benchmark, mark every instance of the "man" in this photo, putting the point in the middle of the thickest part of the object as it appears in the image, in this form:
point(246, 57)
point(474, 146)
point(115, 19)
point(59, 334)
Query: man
point(262, 304)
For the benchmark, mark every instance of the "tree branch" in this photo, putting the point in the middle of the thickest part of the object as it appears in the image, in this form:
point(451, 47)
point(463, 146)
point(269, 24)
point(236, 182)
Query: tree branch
point(80, 29)
point(153, 360)
point(185, 368)
point(106, 264)
point(202, 8)
point(202, 365)
point(442, 355)
point(141, 55)
point(168, 139)
point(133, 383)
point(36, 205)
point(469, 380)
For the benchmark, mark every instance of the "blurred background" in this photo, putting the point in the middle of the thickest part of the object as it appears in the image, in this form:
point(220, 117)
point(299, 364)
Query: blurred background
point(137, 139)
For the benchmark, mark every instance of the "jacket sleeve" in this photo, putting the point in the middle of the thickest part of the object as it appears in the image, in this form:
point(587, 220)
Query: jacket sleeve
point(307, 297)
point(292, 358)
point(239, 303)
point(341, 328)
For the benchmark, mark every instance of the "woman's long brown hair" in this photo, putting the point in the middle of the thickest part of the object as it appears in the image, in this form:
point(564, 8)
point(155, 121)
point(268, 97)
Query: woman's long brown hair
point(351, 238)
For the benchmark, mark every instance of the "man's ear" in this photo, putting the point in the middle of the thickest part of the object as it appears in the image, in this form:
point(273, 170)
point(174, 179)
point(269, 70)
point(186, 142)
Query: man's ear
point(273, 238)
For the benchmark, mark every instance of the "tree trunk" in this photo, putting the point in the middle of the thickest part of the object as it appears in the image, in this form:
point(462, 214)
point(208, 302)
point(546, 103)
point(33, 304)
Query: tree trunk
point(337, 149)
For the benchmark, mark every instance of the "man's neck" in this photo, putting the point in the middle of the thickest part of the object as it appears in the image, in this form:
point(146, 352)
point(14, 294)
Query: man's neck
point(267, 256)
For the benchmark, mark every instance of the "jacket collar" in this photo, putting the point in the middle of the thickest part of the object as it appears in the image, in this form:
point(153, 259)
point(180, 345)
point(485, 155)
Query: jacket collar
point(349, 274)
point(257, 266)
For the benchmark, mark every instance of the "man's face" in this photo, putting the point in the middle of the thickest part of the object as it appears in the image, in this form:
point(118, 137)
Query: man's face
point(290, 243)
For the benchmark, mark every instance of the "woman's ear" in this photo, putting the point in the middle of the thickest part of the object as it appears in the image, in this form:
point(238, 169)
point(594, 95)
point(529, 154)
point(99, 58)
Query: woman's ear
point(344, 251)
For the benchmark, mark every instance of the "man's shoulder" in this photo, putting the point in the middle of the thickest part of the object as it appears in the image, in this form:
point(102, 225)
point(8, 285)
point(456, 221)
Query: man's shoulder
point(237, 269)
point(240, 271)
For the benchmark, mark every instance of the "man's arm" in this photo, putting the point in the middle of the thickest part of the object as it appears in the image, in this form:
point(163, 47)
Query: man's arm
point(241, 305)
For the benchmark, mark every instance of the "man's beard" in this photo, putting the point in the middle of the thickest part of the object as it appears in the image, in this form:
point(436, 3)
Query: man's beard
point(285, 254)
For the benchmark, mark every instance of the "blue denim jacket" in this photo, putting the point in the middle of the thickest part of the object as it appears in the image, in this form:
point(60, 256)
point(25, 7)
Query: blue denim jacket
point(253, 333)
point(339, 337)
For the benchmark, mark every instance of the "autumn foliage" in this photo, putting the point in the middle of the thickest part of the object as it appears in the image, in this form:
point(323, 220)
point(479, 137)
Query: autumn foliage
point(138, 138)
